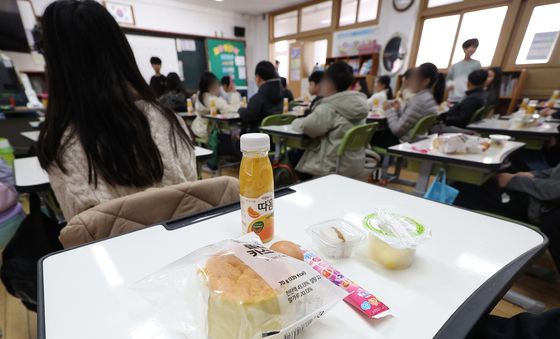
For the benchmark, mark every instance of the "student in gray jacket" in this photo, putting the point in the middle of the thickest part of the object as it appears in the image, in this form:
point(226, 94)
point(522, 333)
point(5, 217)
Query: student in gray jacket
point(339, 110)
point(429, 85)
point(526, 196)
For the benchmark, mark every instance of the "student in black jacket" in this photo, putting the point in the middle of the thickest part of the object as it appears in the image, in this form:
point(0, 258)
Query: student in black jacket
point(287, 93)
point(314, 81)
point(461, 114)
point(268, 99)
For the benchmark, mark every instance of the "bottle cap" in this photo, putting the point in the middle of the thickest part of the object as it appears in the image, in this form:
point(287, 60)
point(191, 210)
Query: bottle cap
point(255, 142)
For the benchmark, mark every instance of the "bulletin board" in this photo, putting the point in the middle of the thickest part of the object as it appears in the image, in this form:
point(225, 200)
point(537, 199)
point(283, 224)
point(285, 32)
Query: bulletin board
point(227, 57)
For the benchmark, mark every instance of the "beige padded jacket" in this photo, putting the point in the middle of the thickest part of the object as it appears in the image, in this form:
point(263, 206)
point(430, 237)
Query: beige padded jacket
point(75, 194)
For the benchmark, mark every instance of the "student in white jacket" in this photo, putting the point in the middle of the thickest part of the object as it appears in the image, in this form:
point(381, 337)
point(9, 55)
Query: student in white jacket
point(381, 93)
point(208, 91)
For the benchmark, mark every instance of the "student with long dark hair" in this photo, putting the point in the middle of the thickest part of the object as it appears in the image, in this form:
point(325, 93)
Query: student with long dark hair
point(208, 92)
point(361, 86)
point(105, 134)
point(175, 95)
point(429, 86)
point(381, 93)
point(492, 85)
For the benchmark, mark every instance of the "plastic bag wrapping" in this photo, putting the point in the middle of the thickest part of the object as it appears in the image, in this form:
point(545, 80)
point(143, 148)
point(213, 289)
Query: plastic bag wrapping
point(235, 289)
point(457, 143)
point(398, 231)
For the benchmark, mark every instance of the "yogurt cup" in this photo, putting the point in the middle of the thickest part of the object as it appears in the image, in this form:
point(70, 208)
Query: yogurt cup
point(499, 140)
point(393, 239)
point(336, 238)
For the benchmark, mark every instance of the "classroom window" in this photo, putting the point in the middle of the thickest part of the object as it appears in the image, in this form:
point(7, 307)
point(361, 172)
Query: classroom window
point(437, 3)
point(286, 24)
point(541, 35)
point(348, 11)
point(485, 25)
point(316, 16)
point(281, 52)
point(368, 10)
point(436, 42)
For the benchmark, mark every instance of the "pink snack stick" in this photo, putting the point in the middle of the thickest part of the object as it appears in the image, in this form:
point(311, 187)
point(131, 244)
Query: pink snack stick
point(361, 299)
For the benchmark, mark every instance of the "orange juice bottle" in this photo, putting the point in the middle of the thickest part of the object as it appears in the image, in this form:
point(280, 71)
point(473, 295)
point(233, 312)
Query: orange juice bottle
point(213, 109)
point(286, 106)
point(256, 186)
point(189, 106)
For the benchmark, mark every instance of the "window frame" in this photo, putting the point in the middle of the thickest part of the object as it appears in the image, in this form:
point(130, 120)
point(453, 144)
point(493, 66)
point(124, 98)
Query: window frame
point(357, 24)
point(460, 9)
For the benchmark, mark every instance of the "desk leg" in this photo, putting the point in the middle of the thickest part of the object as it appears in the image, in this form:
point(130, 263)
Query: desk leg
point(423, 178)
point(278, 149)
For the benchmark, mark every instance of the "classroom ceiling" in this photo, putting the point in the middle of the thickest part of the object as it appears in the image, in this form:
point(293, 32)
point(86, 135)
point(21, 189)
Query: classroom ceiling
point(247, 6)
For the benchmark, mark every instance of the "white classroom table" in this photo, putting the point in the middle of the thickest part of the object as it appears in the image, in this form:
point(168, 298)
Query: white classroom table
point(30, 176)
point(458, 274)
point(283, 132)
point(484, 164)
point(32, 135)
point(226, 117)
point(534, 136)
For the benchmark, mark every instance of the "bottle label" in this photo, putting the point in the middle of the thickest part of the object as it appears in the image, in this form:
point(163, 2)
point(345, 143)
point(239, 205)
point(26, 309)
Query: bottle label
point(257, 215)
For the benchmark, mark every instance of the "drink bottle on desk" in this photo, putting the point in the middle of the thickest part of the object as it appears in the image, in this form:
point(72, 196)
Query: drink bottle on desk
point(189, 106)
point(286, 107)
point(256, 186)
point(7, 152)
point(213, 110)
point(244, 102)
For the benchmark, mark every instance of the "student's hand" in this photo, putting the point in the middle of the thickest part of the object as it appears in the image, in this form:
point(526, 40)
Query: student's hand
point(395, 104)
point(503, 179)
point(546, 112)
point(525, 174)
point(386, 105)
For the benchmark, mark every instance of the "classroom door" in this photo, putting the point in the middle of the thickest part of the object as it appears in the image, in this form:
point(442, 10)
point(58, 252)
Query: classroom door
point(296, 68)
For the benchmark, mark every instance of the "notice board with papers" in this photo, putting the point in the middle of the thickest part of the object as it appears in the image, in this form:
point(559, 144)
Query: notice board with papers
point(227, 57)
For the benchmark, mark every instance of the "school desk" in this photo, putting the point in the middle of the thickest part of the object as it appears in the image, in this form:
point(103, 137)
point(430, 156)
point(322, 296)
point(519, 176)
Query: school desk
point(474, 169)
point(286, 136)
point(381, 121)
point(534, 137)
point(457, 277)
point(12, 126)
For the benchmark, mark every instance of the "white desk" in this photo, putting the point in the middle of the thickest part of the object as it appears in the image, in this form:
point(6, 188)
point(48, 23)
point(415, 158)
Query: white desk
point(32, 135)
point(228, 117)
point(480, 166)
point(283, 133)
point(457, 274)
point(534, 137)
point(29, 175)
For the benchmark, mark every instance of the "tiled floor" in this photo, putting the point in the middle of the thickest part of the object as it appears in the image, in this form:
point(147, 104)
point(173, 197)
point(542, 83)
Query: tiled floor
point(18, 323)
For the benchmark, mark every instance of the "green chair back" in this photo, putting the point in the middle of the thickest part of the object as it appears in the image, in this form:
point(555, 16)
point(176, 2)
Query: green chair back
point(278, 119)
point(423, 126)
point(478, 115)
point(488, 112)
point(356, 138)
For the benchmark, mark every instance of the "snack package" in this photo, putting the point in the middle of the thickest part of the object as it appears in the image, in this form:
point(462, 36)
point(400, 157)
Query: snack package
point(361, 299)
point(237, 289)
point(458, 143)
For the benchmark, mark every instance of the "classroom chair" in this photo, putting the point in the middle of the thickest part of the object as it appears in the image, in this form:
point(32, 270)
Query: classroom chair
point(478, 115)
point(488, 112)
point(422, 127)
point(277, 120)
point(355, 139)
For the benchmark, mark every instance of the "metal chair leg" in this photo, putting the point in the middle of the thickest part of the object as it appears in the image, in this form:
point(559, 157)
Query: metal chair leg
point(528, 304)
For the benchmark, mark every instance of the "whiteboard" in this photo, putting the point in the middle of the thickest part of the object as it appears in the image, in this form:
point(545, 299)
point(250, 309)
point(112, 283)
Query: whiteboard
point(145, 47)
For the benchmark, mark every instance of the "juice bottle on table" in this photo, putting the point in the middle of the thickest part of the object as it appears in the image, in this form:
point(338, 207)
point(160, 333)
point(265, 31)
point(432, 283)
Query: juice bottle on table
point(256, 186)
point(189, 106)
point(286, 106)
point(244, 102)
point(213, 109)
point(524, 104)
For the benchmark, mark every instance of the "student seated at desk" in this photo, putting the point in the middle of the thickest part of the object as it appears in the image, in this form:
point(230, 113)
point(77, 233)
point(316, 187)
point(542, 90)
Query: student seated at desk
point(267, 101)
point(104, 136)
point(493, 85)
point(553, 113)
point(339, 110)
point(228, 92)
point(405, 93)
point(208, 92)
point(361, 86)
point(381, 93)
point(532, 197)
point(287, 93)
point(175, 95)
point(461, 114)
point(429, 85)
point(315, 90)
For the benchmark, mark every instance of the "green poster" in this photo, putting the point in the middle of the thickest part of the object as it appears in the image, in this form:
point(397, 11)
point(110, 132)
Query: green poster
point(227, 57)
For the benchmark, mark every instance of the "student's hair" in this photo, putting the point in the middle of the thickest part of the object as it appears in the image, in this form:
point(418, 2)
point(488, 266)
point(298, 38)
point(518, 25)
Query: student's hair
point(364, 86)
point(408, 73)
point(284, 82)
point(226, 80)
point(386, 81)
point(173, 83)
point(94, 83)
point(478, 77)
point(207, 80)
point(497, 82)
point(316, 77)
point(341, 74)
point(437, 80)
point(266, 70)
point(155, 60)
point(470, 43)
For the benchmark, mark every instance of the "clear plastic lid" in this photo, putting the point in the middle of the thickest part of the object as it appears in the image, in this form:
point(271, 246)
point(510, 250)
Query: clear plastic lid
point(396, 230)
point(335, 233)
